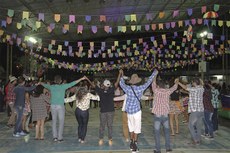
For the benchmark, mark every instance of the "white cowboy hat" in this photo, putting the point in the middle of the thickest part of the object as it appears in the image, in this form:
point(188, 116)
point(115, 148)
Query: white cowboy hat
point(135, 79)
point(12, 78)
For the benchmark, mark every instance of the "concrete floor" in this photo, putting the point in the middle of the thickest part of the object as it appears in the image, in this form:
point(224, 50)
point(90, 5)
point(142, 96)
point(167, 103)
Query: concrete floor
point(9, 144)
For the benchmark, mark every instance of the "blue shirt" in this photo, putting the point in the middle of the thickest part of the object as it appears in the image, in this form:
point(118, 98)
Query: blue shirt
point(132, 103)
point(20, 94)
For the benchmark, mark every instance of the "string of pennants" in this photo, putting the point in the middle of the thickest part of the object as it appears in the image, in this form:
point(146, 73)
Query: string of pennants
point(107, 28)
point(143, 55)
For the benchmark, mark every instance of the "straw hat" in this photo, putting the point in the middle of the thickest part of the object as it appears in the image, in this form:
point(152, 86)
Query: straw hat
point(135, 79)
point(107, 83)
point(12, 78)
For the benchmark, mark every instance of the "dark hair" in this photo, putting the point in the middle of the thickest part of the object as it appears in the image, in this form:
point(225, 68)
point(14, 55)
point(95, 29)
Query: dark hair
point(196, 80)
point(161, 83)
point(57, 79)
point(38, 91)
point(21, 79)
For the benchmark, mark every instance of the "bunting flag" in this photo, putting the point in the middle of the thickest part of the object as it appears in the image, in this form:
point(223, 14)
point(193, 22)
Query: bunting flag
point(161, 15)
point(175, 13)
point(79, 29)
point(57, 17)
point(71, 18)
point(102, 18)
point(41, 17)
point(10, 13)
point(25, 15)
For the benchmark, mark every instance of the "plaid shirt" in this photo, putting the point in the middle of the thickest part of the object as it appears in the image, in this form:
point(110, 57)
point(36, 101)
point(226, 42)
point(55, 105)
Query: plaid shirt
point(132, 103)
point(207, 96)
point(195, 103)
point(161, 99)
point(10, 95)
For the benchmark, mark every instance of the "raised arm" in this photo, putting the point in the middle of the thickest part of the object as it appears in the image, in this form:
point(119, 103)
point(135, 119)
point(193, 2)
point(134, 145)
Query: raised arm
point(81, 79)
point(70, 99)
point(90, 82)
point(118, 78)
point(183, 86)
point(150, 80)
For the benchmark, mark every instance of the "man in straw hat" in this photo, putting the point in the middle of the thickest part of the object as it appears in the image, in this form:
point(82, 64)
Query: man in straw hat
point(133, 108)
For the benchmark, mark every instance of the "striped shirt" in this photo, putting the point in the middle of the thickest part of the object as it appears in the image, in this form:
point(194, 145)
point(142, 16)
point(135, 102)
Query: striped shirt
point(161, 99)
point(195, 103)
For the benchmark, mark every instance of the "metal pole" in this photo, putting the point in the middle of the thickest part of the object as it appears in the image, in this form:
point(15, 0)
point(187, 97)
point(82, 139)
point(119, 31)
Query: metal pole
point(202, 59)
point(11, 59)
point(7, 62)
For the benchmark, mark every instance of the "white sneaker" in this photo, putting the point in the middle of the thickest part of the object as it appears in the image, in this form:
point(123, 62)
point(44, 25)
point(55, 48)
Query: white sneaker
point(16, 135)
point(22, 133)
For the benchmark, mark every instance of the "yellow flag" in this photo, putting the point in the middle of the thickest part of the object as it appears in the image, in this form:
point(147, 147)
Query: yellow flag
point(1, 32)
point(116, 43)
point(133, 17)
point(19, 25)
point(123, 29)
point(133, 27)
point(180, 23)
point(38, 24)
point(57, 17)
point(161, 26)
point(220, 23)
point(25, 15)
point(161, 15)
point(134, 45)
point(91, 44)
point(228, 23)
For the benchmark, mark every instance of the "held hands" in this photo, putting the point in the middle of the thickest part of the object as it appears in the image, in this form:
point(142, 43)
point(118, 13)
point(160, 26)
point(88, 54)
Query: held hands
point(176, 81)
point(121, 72)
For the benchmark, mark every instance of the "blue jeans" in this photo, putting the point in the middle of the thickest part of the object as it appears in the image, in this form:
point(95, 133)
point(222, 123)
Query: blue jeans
point(58, 113)
point(158, 120)
point(195, 125)
point(215, 119)
point(208, 123)
point(82, 119)
point(18, 125)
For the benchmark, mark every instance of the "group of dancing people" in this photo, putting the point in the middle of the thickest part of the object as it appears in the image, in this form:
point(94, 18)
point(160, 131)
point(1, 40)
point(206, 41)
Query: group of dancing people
point(200, 107)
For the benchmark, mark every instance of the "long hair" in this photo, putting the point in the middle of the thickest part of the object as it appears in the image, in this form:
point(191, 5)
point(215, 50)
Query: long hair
point(81, 93)
point(38, 91)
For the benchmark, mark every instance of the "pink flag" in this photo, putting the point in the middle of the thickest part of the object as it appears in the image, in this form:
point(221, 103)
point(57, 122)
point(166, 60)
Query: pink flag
point(203, 9)
point(175, 13)
point(79, 28)
point(71, 18)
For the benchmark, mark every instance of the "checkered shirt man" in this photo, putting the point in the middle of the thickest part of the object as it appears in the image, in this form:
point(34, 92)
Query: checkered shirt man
point(195, 103)
point(132, 103)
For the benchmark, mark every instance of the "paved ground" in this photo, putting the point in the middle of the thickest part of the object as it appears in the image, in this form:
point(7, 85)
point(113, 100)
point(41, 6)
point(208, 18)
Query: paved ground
point(9, 144)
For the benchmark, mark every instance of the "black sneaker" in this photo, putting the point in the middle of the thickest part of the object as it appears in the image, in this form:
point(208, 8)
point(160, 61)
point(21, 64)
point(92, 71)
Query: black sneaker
point(135, 148)
point(131, 145)
point(168, 150)
point(155, 151)
point(61, 140)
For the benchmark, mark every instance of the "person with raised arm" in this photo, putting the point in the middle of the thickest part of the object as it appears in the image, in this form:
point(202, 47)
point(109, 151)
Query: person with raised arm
point(161, 111)
point(134, 91)
point(195, 108)
point(57, 91)
point(106, 93)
